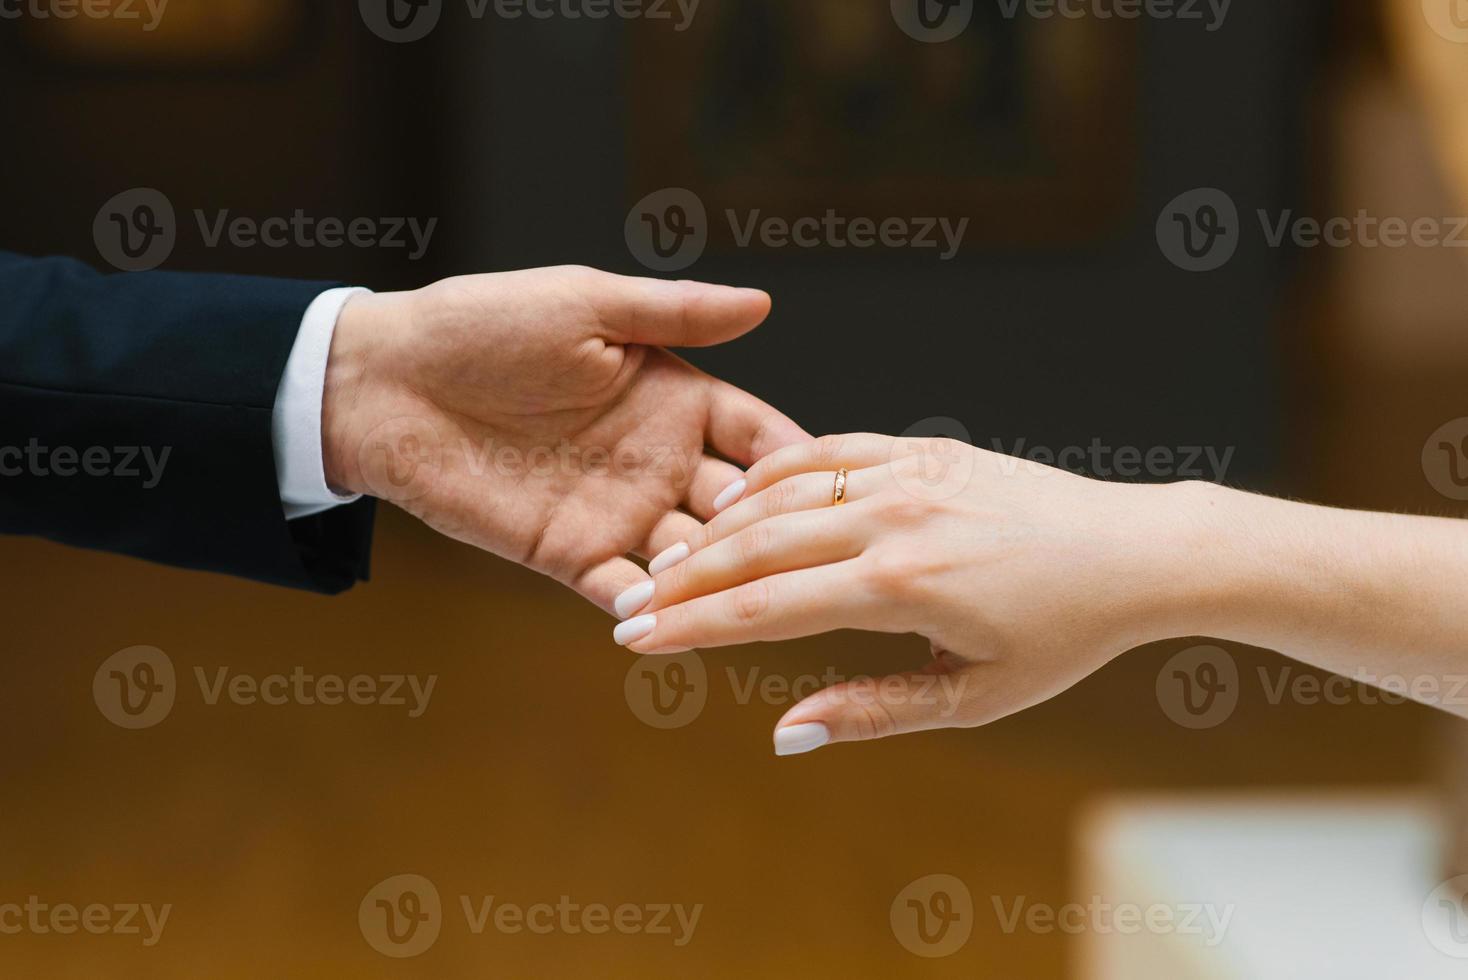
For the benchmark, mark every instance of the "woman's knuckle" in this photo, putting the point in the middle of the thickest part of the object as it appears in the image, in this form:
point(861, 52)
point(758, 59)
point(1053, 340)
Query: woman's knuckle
point(750, 602)
point(676, 580)
point(891, 573)
point(871, 716)
point(829, 451)
point(780, 498)
point(753, 544)
point(904, 510)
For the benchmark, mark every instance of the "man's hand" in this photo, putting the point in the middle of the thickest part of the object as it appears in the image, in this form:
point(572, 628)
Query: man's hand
point(535, 414)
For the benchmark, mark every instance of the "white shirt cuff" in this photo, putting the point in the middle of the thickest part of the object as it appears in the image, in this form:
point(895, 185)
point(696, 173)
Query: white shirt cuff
point(296, 420)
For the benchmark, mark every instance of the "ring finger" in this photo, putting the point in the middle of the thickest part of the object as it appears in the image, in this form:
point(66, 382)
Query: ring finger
point(805, 492)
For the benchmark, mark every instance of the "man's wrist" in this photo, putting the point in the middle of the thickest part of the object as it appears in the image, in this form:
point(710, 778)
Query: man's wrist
point(344, 390)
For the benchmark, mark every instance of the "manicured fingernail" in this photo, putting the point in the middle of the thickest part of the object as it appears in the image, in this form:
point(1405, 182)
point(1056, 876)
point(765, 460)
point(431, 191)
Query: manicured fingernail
point(634, 599)
point(730, 494)
point(801, 738)
point(634, 629)
point(668, 558)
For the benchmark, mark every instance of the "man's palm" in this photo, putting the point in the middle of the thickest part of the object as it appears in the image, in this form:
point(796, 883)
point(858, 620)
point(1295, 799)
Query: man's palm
point(535, 415)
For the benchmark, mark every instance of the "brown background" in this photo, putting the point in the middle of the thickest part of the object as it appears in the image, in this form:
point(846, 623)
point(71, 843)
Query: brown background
point(529, 776)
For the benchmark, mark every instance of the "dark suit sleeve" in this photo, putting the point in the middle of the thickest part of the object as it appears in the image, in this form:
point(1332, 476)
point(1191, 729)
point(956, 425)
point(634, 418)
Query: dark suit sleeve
point(135, 417)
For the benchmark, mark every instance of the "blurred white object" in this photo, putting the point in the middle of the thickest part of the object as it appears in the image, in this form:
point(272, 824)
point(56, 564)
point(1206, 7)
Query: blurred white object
point(1304, 887)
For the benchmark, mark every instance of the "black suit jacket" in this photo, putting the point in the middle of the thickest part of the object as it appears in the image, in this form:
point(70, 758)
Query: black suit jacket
point(101, 375)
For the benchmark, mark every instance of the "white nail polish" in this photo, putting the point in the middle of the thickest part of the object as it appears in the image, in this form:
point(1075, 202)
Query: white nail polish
point(668, 558)
point(633, 599)
point(801, 738)
point(634, 629)
point(730, 494)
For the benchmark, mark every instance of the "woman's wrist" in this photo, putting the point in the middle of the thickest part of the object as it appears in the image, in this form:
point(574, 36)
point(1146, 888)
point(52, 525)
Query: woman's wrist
point(1260, 570)
point(1222, 562)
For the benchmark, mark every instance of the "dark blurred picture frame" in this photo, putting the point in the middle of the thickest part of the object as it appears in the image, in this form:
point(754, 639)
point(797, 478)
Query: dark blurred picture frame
point(1028, 128)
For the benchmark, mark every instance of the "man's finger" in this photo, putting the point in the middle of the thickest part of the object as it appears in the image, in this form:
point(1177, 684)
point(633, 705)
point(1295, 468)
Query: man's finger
point(876, 707)
point(673, 527)
point(711, 479)
point(668, 313)
point(745, 429)
point(603, 583)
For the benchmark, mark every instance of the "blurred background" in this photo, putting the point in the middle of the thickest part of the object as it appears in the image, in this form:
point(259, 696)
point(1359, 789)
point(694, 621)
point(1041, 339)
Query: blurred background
point(1119, 291)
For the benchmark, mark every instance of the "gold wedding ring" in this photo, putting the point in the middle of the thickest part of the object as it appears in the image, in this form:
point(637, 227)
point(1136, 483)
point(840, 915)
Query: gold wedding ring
point(838, 496)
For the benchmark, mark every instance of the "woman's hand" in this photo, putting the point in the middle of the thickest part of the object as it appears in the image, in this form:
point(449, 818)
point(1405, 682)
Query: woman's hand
point(1024, 578)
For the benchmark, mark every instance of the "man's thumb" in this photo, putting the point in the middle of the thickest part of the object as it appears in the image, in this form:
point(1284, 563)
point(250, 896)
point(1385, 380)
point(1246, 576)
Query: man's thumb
point(668, 313)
